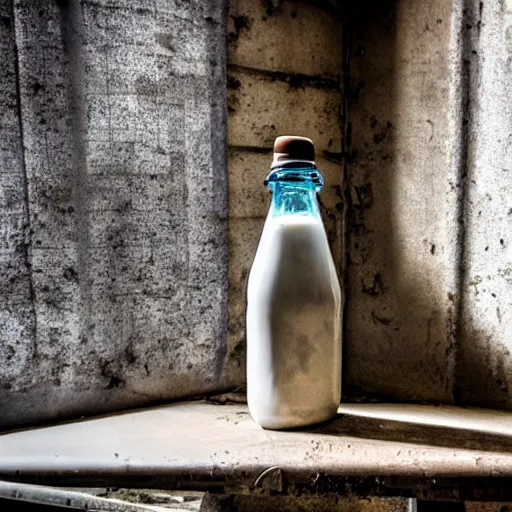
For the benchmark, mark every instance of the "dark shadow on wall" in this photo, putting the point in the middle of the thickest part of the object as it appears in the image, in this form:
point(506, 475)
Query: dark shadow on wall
point(379, 358)
point(405, 169)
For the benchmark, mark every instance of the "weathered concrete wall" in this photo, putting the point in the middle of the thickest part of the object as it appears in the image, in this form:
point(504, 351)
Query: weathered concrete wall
point(284, 76)
point(429, 159)
point(426, 106)
point(17, 320)
point(119, 107)
point(402, 220)
point(484, 372)
point(113, 192)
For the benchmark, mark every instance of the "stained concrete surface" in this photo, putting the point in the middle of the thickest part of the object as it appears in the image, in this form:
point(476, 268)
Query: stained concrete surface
point(114, 214)
point(425, 114)
point(428, 157)
point(484, 370)
point(402, 228)
point(164, 441)
point(17, 319)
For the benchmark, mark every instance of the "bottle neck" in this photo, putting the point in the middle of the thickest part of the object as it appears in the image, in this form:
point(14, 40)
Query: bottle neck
point(294, 191)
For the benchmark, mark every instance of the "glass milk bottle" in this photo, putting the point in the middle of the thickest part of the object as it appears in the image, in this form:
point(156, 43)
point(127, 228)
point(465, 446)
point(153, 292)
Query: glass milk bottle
point(293, 300)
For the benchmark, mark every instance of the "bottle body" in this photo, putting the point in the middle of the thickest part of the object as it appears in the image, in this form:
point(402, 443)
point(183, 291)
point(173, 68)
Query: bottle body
point(293, 313)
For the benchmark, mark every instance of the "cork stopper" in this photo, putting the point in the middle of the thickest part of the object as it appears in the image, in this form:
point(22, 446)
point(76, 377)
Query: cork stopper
point(289, 147)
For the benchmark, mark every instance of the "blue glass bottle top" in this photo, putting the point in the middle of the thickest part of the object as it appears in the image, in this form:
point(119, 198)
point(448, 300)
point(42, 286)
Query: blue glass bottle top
point(306, 173)
point(294, 189)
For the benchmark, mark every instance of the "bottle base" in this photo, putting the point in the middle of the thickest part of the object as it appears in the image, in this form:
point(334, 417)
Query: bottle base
point(294, 421)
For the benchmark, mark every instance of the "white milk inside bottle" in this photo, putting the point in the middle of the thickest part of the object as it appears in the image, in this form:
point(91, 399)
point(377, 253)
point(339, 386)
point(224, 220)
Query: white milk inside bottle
point(293, 301)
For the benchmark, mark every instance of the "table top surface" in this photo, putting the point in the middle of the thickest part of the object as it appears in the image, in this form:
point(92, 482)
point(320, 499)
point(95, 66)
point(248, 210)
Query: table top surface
point(201, 444)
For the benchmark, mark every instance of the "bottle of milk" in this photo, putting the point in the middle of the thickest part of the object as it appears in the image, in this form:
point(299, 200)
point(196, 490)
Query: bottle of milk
point(293, 300)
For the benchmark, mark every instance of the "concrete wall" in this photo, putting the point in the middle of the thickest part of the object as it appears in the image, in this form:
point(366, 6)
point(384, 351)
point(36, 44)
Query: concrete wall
point(17, 318)
point(114, 194)
point(429, 154)
point(484, 370)
point(402, 218)
point(284, 77)
point(113, 260)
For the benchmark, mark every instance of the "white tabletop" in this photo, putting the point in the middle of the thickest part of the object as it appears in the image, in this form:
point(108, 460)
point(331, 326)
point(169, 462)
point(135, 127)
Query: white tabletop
point(195, 442)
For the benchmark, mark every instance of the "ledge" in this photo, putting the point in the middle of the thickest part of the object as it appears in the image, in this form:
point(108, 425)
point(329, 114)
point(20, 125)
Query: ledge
point(368, 449)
